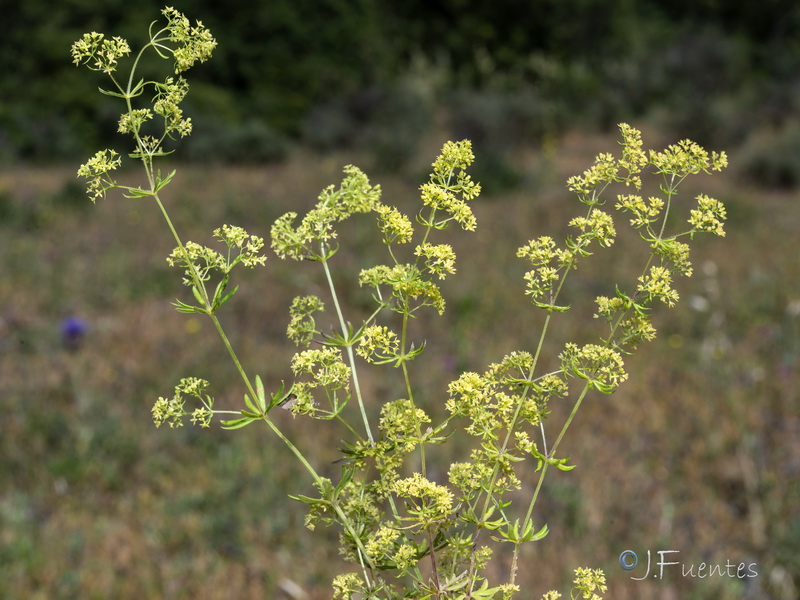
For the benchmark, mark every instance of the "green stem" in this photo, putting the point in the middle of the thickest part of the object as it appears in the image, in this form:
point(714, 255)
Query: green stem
point(518, 409)
point(234, 358)
point(147, 161)
point(434, 567)
point(351, 359)
point(343, 518)
point(410, 393)
point(543, 473)
point(299, 455)
point(552, 453)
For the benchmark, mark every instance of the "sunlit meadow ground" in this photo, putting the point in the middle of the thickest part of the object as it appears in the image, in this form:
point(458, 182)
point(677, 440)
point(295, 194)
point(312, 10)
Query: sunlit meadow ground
point(698, 452)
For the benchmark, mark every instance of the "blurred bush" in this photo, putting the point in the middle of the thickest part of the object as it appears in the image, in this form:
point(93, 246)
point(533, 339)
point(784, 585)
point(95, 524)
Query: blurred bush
point(771, 156)
point(375, 76)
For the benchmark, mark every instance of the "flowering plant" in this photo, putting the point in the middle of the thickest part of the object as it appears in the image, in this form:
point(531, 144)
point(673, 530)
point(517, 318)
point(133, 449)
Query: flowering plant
point(408, 533)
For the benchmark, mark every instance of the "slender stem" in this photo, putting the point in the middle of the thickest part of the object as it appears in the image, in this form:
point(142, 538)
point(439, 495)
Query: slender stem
point(518, 410)
point(343, 518)
point(146, 156)
point(560, 437)
point(543, 473)
point(196, 280)
point(351, 359)
point(234, 358)
point(515, 420)
point(434, 567)
point(410, 394)
point(347, 425)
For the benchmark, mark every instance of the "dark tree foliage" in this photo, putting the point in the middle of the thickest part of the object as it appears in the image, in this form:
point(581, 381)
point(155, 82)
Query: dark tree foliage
point(279, 61)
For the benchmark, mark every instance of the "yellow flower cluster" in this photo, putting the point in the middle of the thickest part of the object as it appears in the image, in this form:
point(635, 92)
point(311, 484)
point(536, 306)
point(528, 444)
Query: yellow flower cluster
point(657, 284)
point(98, 52)
point(310, 239)
point(395, 226)
point(450, 187)
point(96, 170)
point(597, 226)
point(195, 43)
point(708, 216)
point(302, 326)
point(172, 410)
point(440, 259)
point(429, 502)
point(378, 344)
point(687, 158)
point(601, 367)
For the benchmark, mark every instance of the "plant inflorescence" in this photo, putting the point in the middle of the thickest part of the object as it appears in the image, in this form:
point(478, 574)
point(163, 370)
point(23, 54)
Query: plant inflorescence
point(408, 533)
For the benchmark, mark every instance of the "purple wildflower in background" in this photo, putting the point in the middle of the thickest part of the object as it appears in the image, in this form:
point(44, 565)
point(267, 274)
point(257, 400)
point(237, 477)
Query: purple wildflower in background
point(73, 330)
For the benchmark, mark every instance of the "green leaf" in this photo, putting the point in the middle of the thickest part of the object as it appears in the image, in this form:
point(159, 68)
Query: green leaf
point(561, 463)
point(494, 525)
point(227, 296)
point(603, 388)
point(310, 501)
point(277, 397)
point(136, 192)
point(197, 295)
point(223, 283)
point(110, 93)
point(552, 307)
point(182, 307)
point(237, 423)
point(149, 155)
point(137, 89)
point(541, 534)
point(250, 404)
point(161, 183)
point(262, 398)
point(517, 534)
point(412, 353)
point(347, 474)
point(485, 592)
point(336, 339)
point(281, 396)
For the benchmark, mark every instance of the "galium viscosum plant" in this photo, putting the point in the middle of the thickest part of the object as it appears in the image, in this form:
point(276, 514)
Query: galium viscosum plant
point(407, 534)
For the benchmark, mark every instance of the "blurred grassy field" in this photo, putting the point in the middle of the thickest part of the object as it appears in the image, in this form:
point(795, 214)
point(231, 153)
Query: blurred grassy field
point(698, 452)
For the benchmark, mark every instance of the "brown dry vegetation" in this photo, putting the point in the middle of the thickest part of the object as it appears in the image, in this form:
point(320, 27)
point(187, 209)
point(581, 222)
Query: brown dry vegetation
point(698, 452)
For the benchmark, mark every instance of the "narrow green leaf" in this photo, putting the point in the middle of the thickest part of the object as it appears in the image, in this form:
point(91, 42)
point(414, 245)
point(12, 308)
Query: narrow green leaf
point(561, 463)
point(282, 398)
point(136, 193)
point(182, 307)
point(262, 397)
point(220, 290)
point(308, 500)
point(110, 93)
point(197, 295)
point(237, 423)
point(527, 529)
point(161, 183)
point(138, 89)
point(542, 533)
point(347, 475)
point(250, 404)
point(228, 296)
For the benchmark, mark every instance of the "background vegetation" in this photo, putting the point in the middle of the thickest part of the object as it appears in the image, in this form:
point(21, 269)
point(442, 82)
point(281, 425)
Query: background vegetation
point(371, 74)
point(698, 452)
